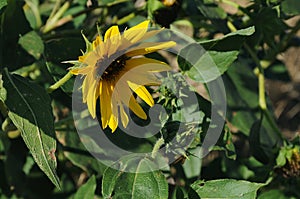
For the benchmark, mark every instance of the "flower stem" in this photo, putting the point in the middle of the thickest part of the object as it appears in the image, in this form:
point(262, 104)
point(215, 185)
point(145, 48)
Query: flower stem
point(157, 146)
point(59, 83)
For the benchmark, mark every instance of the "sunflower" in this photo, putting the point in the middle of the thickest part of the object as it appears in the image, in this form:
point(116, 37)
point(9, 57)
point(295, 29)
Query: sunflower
point(113, 69)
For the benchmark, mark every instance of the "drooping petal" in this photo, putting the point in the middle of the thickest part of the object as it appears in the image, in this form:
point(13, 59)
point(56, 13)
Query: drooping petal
point(86, 86)
point(127, 99)
point(150, 47)
point(92, 96)
point(142, 92)
point(146, 64)
point(124, 116)
point(137, 32)
point(136, 108)
point(113, 122)
point(105, 103)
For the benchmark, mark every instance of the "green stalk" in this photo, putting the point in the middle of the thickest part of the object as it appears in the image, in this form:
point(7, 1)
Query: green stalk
point(59, 83)
point(157, 146)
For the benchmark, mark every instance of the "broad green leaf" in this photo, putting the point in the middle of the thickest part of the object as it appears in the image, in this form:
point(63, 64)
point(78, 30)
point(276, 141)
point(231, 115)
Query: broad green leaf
point(204, 66)
point(33, 44)
point(291, 7)
point(226, 189)
point(87, 190)
point(118, 184)
point(30, 111)
point(229, 42)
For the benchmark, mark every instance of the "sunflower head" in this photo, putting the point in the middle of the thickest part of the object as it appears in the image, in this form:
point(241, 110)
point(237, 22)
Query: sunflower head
point(114, 68)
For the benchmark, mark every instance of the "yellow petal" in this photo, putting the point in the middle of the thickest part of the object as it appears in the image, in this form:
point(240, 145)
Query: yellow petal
point(136, 108)
point(124, 116)
point(90, 58)
point(112, 33)
point(137, 32)
point(86, 86)
point(105, 103)
point(142, 92)
point(144, 78)
point(82, 58)
point(151, 33)
point(81, 71)
point(92, 98)
point(113, 122)
point(150, 47)
point(146, 64)
point(98, 41)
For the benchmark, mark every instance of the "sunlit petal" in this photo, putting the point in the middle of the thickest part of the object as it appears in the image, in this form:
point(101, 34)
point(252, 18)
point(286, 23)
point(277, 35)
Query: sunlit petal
point(142, 92)
point(105, 103)
point(146, 64)
point(98, 41)
point(113, 122)
point(137, 32)
point(112, 33)
point(91, 98)
point(146, 48)
point(136, 108)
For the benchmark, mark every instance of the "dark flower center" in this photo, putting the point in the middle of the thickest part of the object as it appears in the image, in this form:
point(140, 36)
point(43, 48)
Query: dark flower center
point(115, 66)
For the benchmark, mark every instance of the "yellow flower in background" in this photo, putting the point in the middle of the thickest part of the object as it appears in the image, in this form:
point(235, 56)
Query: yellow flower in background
point(112, 70)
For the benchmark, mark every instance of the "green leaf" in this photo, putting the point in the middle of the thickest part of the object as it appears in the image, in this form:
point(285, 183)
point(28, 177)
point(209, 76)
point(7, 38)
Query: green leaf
point(33, 44)
point(226, 188)
point(3, 3)
point(278, 71)
point(192, 166)
point(229, 42)
point(30, 110)
point(274, 193)
point(204, 66)
point(75, 151)
point(264, 141)
point(87, 190)
point(118, 184)
point(211, 11)
point(291, 7)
